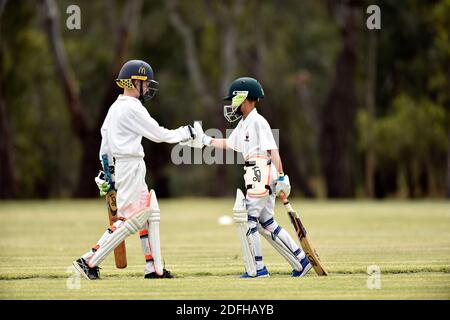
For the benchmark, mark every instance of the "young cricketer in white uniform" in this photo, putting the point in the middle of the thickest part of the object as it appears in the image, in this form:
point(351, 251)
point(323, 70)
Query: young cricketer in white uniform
point(126, 123)
point(264, 180)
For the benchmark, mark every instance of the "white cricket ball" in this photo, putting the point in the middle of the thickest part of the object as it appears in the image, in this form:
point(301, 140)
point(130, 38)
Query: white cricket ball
point(225, 220)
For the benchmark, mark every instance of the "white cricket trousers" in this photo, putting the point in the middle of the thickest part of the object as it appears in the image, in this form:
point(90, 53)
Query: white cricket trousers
point(132, 191)
point(261, 210)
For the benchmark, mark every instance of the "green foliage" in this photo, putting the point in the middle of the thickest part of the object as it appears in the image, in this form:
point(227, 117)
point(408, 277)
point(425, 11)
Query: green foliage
point(413, 135)
point(439, 53)
point(413, 130)
point(291, 49)
point(45, 149)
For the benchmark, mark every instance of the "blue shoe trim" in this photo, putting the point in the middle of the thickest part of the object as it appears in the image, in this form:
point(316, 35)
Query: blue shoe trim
point(259, 273)
point(262, 272)
point(304, 262)
point(296, 273)
point(306, 265)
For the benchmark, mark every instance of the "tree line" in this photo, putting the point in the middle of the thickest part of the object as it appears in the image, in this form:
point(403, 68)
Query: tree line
point(361, 113)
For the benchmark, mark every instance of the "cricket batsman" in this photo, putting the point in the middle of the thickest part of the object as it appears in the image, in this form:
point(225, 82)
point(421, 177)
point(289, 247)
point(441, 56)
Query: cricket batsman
point(126, 123)
point(264, 180)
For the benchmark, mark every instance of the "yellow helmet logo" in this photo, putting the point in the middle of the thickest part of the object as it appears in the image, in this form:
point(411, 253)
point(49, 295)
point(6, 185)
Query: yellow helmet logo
point(142, 70)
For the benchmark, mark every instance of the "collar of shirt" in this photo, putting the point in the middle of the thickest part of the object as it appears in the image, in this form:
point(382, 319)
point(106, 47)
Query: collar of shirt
point(249, 117)
point(122, 97)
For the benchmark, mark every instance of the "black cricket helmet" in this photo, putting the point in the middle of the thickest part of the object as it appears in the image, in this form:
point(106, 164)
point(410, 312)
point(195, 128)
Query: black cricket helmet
point(241, 89)
point(137, 70)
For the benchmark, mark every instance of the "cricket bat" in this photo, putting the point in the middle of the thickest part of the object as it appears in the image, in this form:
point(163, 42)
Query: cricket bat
point(120, 253)
point(303, 237)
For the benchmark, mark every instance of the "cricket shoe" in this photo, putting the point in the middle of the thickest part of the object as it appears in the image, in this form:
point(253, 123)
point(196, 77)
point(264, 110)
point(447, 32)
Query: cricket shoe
point(153, 275)
point(261, 273)
point(83, 268)
point(306, 265)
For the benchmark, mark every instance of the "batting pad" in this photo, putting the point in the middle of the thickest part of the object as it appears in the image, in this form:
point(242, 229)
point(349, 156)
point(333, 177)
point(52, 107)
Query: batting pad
point(155, 244)
point(129, 227)
point(241, 220)
point(281, 248)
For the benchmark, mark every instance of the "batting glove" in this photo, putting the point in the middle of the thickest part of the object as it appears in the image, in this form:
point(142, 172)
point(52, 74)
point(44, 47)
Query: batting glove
point(200, 140)
point(102, 184)
point(283, 184)
point(190, 133)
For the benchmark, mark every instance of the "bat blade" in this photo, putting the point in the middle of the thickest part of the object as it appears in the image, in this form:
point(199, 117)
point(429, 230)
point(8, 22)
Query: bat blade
point(304, 239)
point(120, 253)
point(307, 246)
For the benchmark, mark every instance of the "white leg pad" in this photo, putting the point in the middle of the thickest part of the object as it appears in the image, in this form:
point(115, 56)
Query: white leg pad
point(129, 227)
point(241, 220)
point(155, 243)
point(281, 248)
point(154, 235)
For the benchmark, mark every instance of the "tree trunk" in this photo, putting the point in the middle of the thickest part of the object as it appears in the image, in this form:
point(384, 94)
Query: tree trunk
point(90, 166)
point(8, 180)
point(448, 166)
point(226, 17)
point(289, 155)
point(71, 90)
point(191, 57)
point(337, 131)
point(89, 137)
point(371, 109)
point(290, 164)
point(90, 163)
point(410, 181)
point(123, 39)
point(63, 70)
point(228, 20)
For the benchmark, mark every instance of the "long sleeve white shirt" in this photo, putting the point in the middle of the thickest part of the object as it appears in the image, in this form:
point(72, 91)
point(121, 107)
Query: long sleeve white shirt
point(126, 123)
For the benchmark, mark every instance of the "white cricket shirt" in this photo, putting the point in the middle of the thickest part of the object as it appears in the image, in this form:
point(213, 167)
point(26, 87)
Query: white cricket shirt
point(126, 123)
point(252, 136)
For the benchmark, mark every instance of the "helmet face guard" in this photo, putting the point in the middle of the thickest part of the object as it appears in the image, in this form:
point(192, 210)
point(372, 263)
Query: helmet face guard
point(233, 112)
point(149, 93)
point(152, 89)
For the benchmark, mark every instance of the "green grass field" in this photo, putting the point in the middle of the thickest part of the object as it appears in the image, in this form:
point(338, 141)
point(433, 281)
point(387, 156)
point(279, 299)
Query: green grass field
point(409, 241)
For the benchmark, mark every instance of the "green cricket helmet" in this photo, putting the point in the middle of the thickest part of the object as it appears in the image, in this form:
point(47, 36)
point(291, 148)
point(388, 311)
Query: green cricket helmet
point(241, 89)
point(137, 70)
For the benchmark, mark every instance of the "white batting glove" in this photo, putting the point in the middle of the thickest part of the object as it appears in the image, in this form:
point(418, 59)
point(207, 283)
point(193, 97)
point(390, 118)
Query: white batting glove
point(190, 133)
point(284, 185)
point(200, 140)
point(102, 184)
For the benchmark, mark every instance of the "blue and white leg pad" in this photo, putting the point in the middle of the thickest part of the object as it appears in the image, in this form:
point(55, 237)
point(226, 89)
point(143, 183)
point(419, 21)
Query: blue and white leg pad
point(279, 245)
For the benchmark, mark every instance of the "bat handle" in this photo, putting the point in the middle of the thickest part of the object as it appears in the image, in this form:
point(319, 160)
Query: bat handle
point(284, 198)
point(105, 165)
